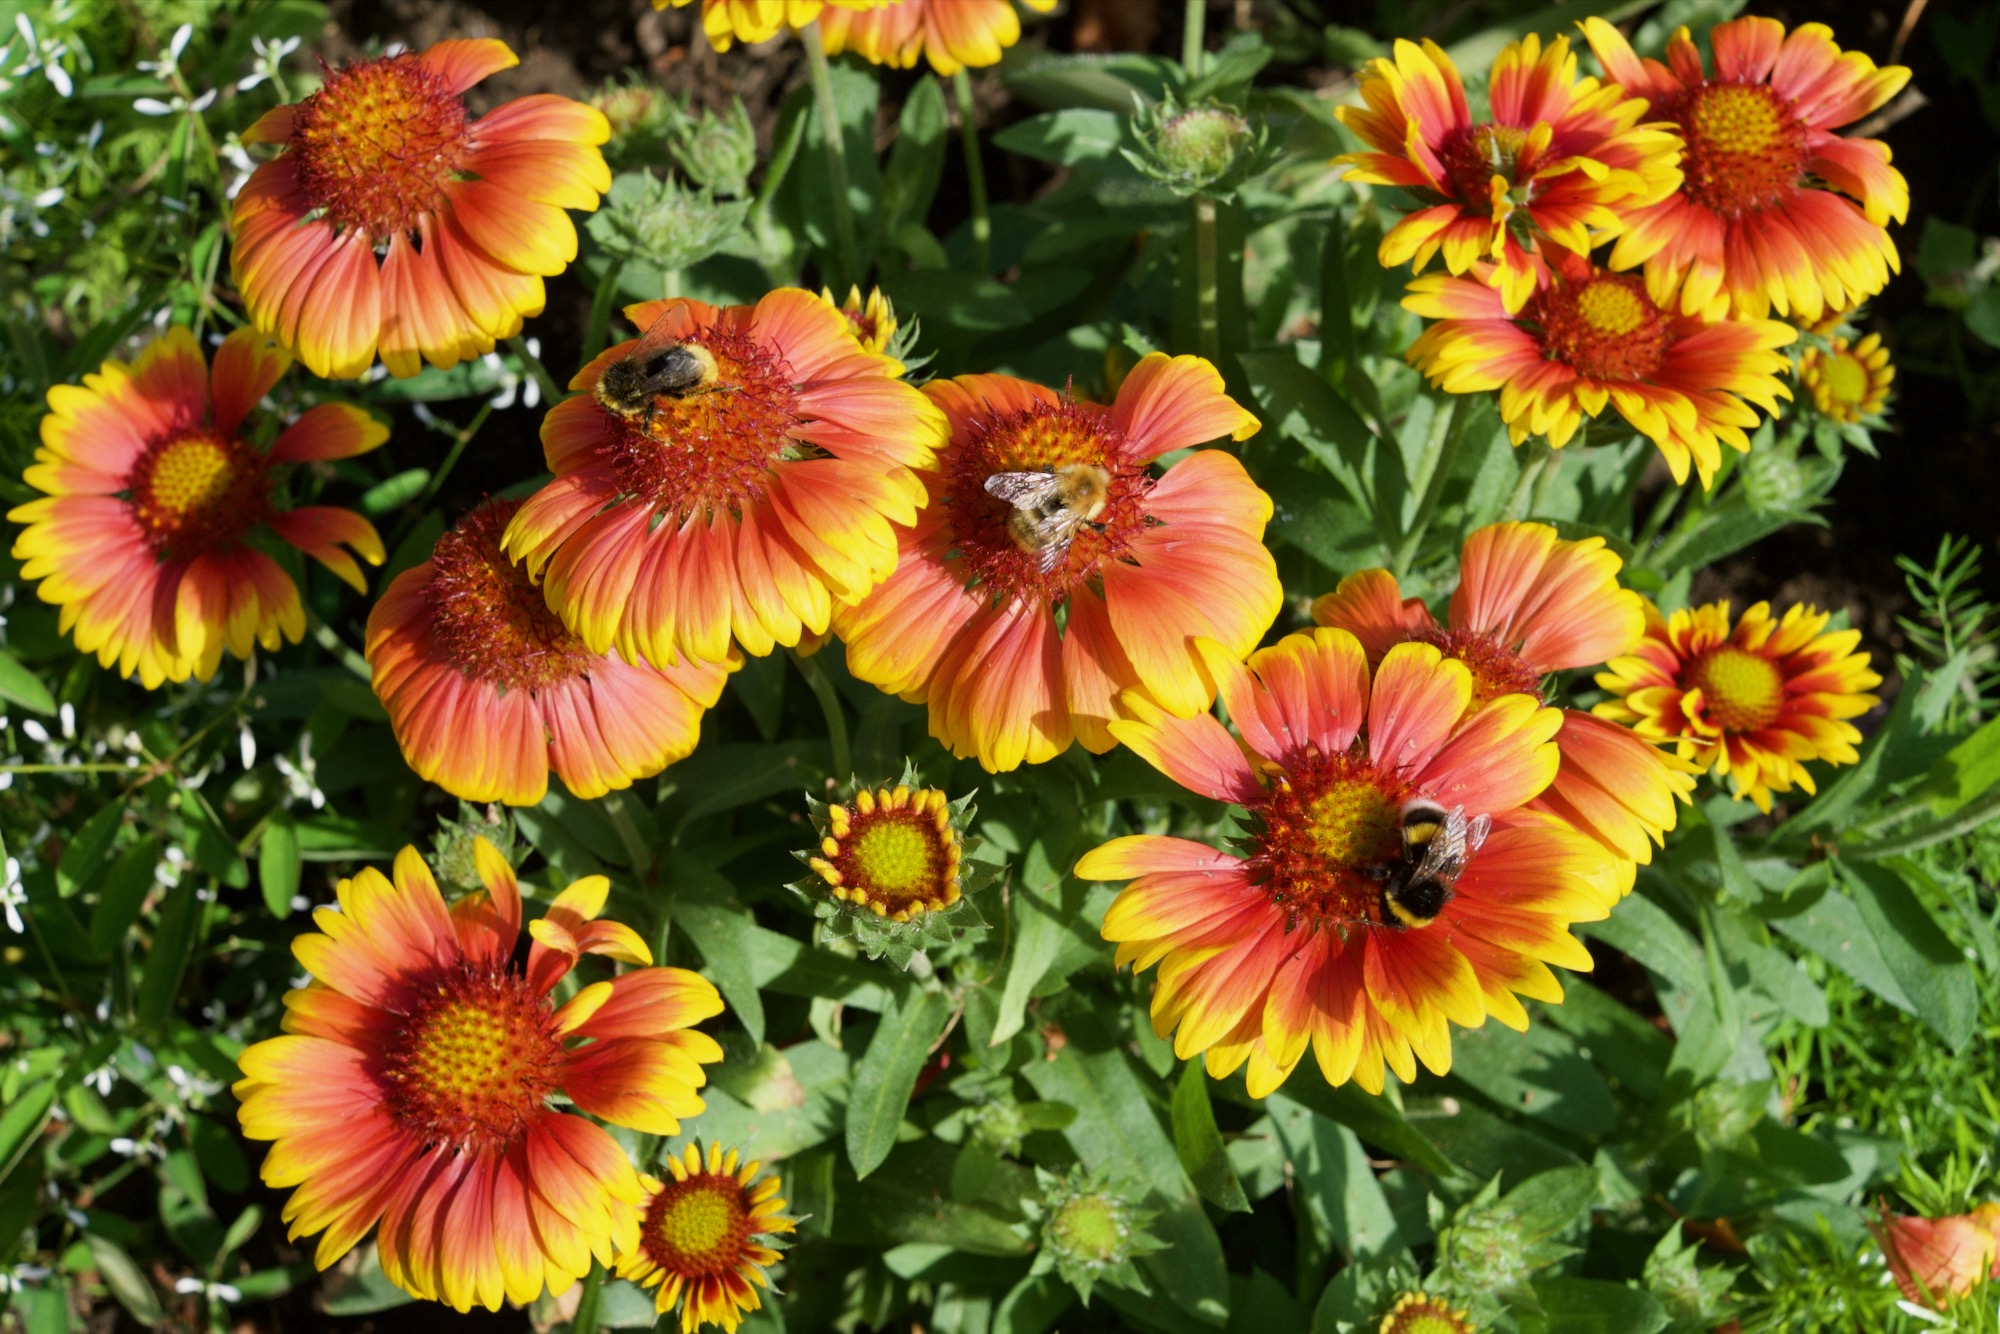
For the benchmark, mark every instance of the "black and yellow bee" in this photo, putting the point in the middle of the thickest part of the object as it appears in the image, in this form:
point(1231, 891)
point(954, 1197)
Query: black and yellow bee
point(658, 366)
point(1437, 843)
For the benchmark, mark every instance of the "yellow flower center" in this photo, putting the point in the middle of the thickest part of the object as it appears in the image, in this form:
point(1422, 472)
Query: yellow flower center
point(712, 448)
point(1496, 670)
point(489, 617)
point(474, 1062)
point(1605, 328)
point(1086, 508)
point(1091, 1229)
point(893, 852)
point(1745, 149)
point(1415, 1313)
point(1741, 691)
point(1327, 827)
point(376, 144)
point(1476, 156)
point(193, 493)
point(697, 1227)
point(1845, 378)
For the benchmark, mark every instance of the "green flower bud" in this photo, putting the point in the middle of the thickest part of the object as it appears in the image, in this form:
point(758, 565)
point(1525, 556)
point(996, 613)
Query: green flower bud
point(1208, 149)
point(451, 847)
point(718, 152)
point(656, 222)
point(1090, 1233)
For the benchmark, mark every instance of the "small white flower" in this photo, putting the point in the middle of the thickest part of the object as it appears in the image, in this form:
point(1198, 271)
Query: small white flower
point(66, 715)
point(215, 1292)
point(35, 731)
point(13, 897)
point(246, 744)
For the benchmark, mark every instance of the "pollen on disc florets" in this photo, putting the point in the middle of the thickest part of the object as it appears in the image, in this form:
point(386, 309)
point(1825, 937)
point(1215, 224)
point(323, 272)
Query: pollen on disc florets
point(697, 1225)
point(1496, 669)
point(1474, 156)
point(377, 143)
point(892, 852)
point(474, 1060)
point(196, 491)
point(1741, 691)
point(1049, 435)
point(1605, 327)
point(1745, 149)
point(1329, 823)
point(711, 448)
point(1848, 381)
point(1418, 1313)
point(489, 616)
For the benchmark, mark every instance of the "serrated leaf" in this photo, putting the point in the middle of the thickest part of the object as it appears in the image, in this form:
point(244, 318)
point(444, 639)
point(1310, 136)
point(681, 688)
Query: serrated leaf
point(1196, 1136)
point(887, 1074)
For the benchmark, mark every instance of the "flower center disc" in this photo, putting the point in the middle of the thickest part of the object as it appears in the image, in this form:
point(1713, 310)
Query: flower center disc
point(1740, 691)
point(196, 492)
point(1326, 829)
point(1605, 328)
point(377, 143)
point(1046, 438)
point(491, 619)
point(1425, 1315)
point(1496, 670)
point(897, 857)
point(1846, 384)
point(474, 1062)
point(1472, 158)
point(712, 447)
point(1745, 149)
point(697, 1228)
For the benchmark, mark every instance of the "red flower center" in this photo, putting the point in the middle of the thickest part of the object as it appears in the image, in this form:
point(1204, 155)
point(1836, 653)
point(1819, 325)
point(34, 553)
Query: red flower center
point(194, 493)
point(697, 1228)
point(1740, 691)
point(377, 142)
point(1326, 826)
point(491, 619)
point(1745, 149)
point(1473, 157)
point(1496, 670)
point(712, 447)
point(1090, 508)
point(474, 1060)
point(1605, 328)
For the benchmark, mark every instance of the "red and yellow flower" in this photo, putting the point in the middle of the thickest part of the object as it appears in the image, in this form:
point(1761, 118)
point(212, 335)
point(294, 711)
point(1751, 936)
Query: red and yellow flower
point(1848, 381)
point(1528, 604)
point(872, 318)
point(487, 692)
point(1589, 339)
point(1021, 646)
point(727, 22)
point(751, 508)
point(1286, 946)
point(152, 494)
point(412, 1085)
point(1562, 158)
point(1776, 210)
point(1753, 702)
point(1420, 1313)
point(393, 222)
point(1934, 1260)
point(698, 1241)
point(951, 34)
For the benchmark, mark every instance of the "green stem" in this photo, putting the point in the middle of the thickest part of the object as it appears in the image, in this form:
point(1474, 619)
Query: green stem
point(836, 718)
point(585, 1321)
point(1663, 509)
point(1524, 485)
point(975, 174)
point(1193, 36)
point(48, 957)
point(1441, 453)
point(617, 810)
point(1962, 822)
point(460, 439)
point(324, 636)
point(846, 270)
point(597, 337)
point(1545, 485)
point(552, 393)
point(1208, 318)
point(68, 768)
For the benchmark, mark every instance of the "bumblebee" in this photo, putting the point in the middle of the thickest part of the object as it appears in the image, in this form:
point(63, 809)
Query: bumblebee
point(1437, 843)
point(1050, 505)
point(657, 367)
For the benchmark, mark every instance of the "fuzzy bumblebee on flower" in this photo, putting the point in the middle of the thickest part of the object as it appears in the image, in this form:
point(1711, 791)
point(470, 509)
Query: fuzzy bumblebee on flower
point(893, 869)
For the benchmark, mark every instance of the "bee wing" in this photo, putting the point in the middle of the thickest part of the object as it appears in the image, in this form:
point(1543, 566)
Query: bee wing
point(1023, 490)
point(1476, 831)
point(662, 333)
point(1444, 856)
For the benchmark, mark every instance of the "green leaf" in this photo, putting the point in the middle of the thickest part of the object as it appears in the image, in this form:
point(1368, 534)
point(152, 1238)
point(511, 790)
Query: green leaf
point(1539, 1073)
point(86, 852)
point(214, 850)
point(1038, 936)
point(121, 1274)
point(1932, 971)
point(916, 160)
point(723, 935)
point(1200, 1142)
point(22, 1121)
point(21, 686)
point(121, 894)
point(911, 1202)
point(1033, 1305)
point(1972, 766)
point(887, 1074)
point(1833, 928)
point(167, 960)
point(1643, 929)
point(393, 494)
point(1336, 1187)
point(1373, 1117)
point(278, 864)
point(1304, 407)
point(1066, 137)
point(1592, 1306)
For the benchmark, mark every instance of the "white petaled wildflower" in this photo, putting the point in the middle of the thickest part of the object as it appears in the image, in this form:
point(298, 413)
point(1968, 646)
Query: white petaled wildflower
point(35, 731)
point(45, 54)
point(101, 1079)
point(246, 744)
point(13, 896)
point(270, 58)
point(240, 166)
point(175, 106)
point(214, 1292)
point(301, 779)
point(66, 715)
point(169, 63)
point(19, 1277)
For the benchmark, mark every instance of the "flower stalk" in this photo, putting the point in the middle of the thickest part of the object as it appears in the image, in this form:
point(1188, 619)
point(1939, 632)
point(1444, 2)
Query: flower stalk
point(845, 268)
point(975, 174)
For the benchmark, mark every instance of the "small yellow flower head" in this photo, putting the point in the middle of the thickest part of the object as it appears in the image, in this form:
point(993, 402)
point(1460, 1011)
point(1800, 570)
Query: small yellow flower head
point(1416, 1313)
point(873, 317)
point(1849, 382)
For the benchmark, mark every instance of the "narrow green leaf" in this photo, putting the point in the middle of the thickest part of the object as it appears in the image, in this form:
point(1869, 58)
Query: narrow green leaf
point(1592, 1306)
point(214, 850)
point(915, 168)
point(1371, 1116)
point(21, 686)
point(1306, 409)
point(121, 1274)
point(1972, 766)
point(121, 893)
point(1067, 138)
point(398, 491)
point(1336, 1187)
point(22, 1120)
point(723, 935)
point(167, 960)
point(1203, 1155)
point(86, 852)
point(887, 1074)
point(1931, 970)
point(278, 864)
